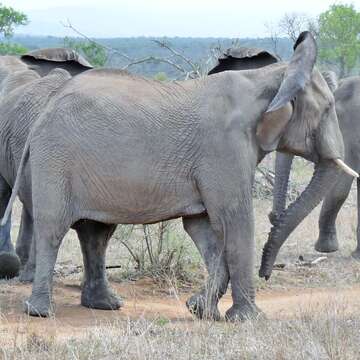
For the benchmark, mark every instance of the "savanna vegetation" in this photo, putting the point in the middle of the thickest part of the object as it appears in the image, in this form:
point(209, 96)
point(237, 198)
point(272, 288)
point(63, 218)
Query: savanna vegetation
point(164, 257)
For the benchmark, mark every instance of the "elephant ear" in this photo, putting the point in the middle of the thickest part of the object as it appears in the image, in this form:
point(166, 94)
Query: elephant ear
point(331, 79)
point(243, 58)
point(56, 55)
point(298, 73)
point(296, 77)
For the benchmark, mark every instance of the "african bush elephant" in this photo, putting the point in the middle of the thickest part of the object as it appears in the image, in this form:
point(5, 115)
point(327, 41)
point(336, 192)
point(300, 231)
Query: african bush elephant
point(15, 80)
point(348, 110)
point(114, 148)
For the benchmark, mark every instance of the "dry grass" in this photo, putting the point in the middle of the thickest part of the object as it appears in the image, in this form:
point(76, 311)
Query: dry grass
point(331, 335)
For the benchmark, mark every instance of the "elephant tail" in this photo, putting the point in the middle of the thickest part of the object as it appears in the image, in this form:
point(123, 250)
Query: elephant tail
point(15, 190)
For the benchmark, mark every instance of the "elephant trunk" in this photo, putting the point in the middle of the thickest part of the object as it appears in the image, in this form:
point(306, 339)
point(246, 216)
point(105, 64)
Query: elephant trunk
point(325, 176)
point(283, 164)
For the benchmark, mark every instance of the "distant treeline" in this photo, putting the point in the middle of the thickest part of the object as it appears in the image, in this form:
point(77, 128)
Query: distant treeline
point(196, 49)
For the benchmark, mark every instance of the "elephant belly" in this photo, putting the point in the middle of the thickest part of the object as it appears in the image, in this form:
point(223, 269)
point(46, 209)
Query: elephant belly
point(133, 201)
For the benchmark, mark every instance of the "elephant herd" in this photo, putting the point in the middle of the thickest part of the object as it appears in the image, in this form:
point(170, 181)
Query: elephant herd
point(88, 149)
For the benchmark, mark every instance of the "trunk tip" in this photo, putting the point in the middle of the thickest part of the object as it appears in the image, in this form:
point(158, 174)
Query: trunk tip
point(264, 273)
point(267, 261)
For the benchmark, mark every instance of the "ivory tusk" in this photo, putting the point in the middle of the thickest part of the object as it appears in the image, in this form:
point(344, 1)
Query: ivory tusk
point(346, 168)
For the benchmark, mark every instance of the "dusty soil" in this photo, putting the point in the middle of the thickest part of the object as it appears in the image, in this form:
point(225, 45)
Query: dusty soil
point(145, 299)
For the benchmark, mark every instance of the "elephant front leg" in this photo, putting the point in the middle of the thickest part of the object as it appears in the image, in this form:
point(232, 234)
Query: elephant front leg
point(327, 241)
point(204, 304)
point(240, 251)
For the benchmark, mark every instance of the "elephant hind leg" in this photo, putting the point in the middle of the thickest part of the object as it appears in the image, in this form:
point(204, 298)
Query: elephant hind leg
point(204, 303)
point(51, 221)
point(327, 241)
point(48, 234)
point(94, 238)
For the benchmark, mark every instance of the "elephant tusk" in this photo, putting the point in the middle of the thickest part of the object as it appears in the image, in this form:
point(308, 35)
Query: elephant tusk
point(346, 168)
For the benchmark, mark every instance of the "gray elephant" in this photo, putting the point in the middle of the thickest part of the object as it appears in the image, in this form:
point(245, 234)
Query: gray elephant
point(15, 74)
point(114, 148)
point(348, 110)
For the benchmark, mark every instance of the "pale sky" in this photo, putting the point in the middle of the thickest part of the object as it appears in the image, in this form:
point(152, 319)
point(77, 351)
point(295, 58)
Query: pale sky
point(196, 18)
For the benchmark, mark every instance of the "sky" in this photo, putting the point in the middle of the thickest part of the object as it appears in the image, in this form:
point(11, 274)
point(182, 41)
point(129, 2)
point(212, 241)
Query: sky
point(195, 18)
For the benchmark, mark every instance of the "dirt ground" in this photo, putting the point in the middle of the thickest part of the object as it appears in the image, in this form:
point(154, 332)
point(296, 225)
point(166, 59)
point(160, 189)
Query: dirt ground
point(144, 299)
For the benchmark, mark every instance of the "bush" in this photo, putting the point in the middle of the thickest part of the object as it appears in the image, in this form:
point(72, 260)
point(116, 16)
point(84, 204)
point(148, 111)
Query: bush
point(12, 49)
point(160, 251)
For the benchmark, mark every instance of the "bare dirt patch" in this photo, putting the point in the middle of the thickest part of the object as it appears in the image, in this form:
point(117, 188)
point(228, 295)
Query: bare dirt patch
point(144, 299)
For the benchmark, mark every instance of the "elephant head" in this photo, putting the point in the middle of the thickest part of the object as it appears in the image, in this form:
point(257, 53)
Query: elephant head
point(283, 164)
point(293, 116)
point(243, 58)
point(301, 120)
point(44, 60)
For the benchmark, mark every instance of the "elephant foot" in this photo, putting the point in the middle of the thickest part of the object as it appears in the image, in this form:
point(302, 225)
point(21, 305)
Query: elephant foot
point(244, 312)
point(38, 306)
point(356, 254)
point(27, 274)
point(327, 243)
point(9, 265)
point(199, 307)
point(102, 298)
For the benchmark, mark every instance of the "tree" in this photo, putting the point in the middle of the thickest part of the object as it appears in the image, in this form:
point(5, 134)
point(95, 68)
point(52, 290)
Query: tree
point(95, 53)
point(339, 30)
point(9, 19)
point(12, 49)
point(292, 24)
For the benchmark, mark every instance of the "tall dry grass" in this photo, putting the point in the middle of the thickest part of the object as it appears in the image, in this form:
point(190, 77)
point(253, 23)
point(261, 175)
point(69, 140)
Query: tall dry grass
point(329, 334)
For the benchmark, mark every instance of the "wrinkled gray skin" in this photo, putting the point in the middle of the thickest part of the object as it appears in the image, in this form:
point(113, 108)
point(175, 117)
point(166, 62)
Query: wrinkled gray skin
point(348, 110)
point(111, 148)
point(17, 85)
